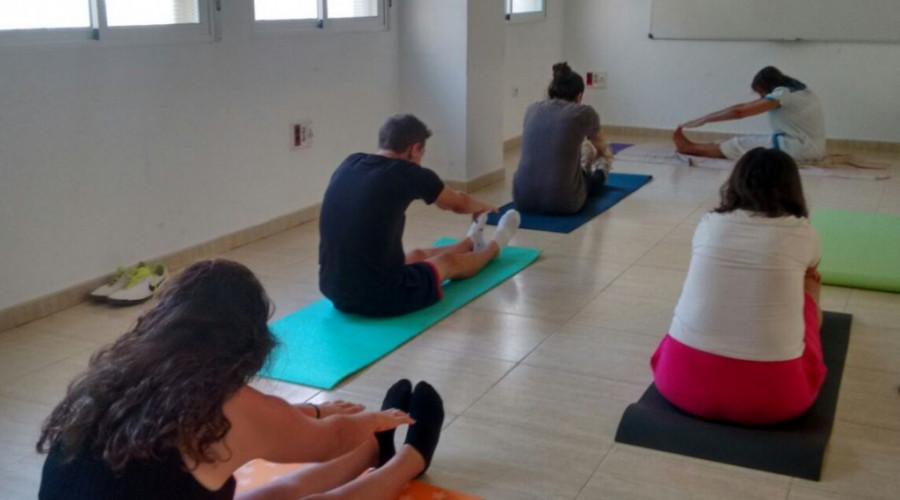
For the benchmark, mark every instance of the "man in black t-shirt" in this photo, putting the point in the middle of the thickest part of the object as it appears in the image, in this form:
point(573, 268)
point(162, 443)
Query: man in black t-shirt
point(362, 266)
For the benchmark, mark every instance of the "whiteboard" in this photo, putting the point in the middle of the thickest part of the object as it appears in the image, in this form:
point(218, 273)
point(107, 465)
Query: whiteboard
point(816, 20)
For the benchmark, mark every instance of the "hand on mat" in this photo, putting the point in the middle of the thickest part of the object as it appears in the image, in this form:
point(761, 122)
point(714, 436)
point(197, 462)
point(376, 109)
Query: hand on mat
point(386, 420)
point(339, 407)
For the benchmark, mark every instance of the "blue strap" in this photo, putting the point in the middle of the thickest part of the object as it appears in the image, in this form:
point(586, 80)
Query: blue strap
point(775, 141)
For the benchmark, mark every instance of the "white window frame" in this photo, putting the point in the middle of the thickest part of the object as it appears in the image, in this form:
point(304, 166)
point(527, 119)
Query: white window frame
point(101, 34)
point(525, 17)
point(324, 24)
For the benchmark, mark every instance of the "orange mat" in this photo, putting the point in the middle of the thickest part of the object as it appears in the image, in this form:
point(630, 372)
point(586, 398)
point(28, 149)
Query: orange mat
point(259, 472)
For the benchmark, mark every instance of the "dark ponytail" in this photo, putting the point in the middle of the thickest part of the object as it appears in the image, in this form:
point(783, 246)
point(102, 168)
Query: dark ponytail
point(566, 83)
point(770, 78)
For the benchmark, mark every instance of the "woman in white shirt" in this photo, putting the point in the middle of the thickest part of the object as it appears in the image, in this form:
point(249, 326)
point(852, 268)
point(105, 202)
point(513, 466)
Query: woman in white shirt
point(744, 341)
point(795, 114)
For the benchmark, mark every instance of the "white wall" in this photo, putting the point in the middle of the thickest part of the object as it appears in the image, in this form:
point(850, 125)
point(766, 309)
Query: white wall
point(433, 78)
point(658, 84)
point(531, 50)
point(484, 116)
point(451, 60)
point(111, 155)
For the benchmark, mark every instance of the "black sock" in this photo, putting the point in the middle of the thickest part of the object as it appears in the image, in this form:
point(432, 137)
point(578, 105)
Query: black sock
point(427, 409)
point(398, 397)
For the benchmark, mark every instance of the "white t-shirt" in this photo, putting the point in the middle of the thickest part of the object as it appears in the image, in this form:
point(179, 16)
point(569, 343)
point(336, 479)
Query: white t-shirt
point(743, 296)
point(799, 123)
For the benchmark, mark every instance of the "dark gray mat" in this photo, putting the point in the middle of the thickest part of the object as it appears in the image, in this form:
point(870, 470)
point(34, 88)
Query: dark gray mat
point(794, 448)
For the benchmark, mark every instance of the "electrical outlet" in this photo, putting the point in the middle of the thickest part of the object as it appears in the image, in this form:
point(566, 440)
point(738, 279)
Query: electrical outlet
point(301, 134)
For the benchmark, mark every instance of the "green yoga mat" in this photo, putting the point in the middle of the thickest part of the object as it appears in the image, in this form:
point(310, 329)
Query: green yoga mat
point(320, 346)
point(859, 249)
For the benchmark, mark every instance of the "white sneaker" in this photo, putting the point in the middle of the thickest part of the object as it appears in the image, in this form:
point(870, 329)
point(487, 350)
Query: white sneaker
point(142, 285)
point(117, 282)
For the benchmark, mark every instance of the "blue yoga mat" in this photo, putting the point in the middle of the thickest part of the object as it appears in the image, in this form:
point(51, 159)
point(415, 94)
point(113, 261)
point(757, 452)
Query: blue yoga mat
point(320, 346)
point(618, 146)
point(616, 189)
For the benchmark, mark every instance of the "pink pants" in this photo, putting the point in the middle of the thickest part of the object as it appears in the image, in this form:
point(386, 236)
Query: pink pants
point(736, 390)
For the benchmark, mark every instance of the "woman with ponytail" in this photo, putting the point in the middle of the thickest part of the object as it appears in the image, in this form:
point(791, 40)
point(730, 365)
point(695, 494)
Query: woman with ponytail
point(795, 114)
point(564, 157)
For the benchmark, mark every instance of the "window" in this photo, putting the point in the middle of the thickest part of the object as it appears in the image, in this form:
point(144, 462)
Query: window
point(525, 10)
point(109, 21)
point(293, 15)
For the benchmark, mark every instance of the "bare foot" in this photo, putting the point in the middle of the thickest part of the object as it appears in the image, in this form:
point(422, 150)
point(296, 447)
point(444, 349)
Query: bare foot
point(682, 144)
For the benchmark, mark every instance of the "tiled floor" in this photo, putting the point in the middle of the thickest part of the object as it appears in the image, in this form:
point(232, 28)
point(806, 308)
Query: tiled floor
point(536, 373)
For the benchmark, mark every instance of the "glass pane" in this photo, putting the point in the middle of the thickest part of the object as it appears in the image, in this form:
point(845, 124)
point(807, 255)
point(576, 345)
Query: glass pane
point(151, 12)
point(34, 14)
point(525, 6)
point(275, 10)
point(338, 9)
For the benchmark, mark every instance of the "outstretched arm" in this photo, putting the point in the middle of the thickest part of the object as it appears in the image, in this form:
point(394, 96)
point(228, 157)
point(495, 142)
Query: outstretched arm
point(735, 112)
point(599, 142)
point(461, 203)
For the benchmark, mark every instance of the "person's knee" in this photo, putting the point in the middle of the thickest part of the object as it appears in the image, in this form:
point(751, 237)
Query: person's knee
point(417, 255)
point(446, 265)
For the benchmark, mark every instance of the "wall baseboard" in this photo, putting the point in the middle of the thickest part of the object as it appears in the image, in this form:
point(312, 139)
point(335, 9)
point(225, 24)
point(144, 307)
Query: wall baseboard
point(841, 144)
point(40, 307)
point(477, 183)
point(513, 143)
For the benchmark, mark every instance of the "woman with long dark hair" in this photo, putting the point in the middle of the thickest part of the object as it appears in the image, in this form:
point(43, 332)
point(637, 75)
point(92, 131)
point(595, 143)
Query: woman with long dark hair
point(744, 343)
point(564, 157)
point(165, 411)
point(795, 114)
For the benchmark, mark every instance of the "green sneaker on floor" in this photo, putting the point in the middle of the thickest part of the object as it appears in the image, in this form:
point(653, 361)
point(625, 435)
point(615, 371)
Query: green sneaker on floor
point(141, 285)
point(118, 281)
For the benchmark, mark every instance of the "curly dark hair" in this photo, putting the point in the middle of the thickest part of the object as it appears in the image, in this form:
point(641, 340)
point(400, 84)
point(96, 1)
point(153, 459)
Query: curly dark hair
point(160, 387)
point(566, 83)
point(765, 181)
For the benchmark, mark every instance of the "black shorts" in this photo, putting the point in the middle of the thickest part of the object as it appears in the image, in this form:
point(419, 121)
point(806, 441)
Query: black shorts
point(419, 288)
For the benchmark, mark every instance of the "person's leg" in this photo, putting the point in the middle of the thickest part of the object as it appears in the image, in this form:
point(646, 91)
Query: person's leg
point(595, 182)
point(317, 478)
point(451, 265)
point(341, 477)
point(420, 254)
point(455, 265)
point(397, 397)
point(686, 146)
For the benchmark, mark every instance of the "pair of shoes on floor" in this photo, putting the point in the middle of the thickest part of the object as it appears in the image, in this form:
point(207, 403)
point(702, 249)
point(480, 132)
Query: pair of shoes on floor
point(506, 228)
point(131, 285)
point(425, 406)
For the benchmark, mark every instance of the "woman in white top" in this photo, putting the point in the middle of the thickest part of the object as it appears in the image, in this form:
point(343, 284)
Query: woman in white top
point(744, 342)
point(795, 114)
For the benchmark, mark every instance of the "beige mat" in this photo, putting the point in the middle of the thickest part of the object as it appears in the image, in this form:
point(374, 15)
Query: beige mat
point(837, 165)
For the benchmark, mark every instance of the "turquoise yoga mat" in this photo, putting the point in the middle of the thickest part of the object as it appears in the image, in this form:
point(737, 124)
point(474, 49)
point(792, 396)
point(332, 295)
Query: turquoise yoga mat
point(859, 249)
point(321, 346)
